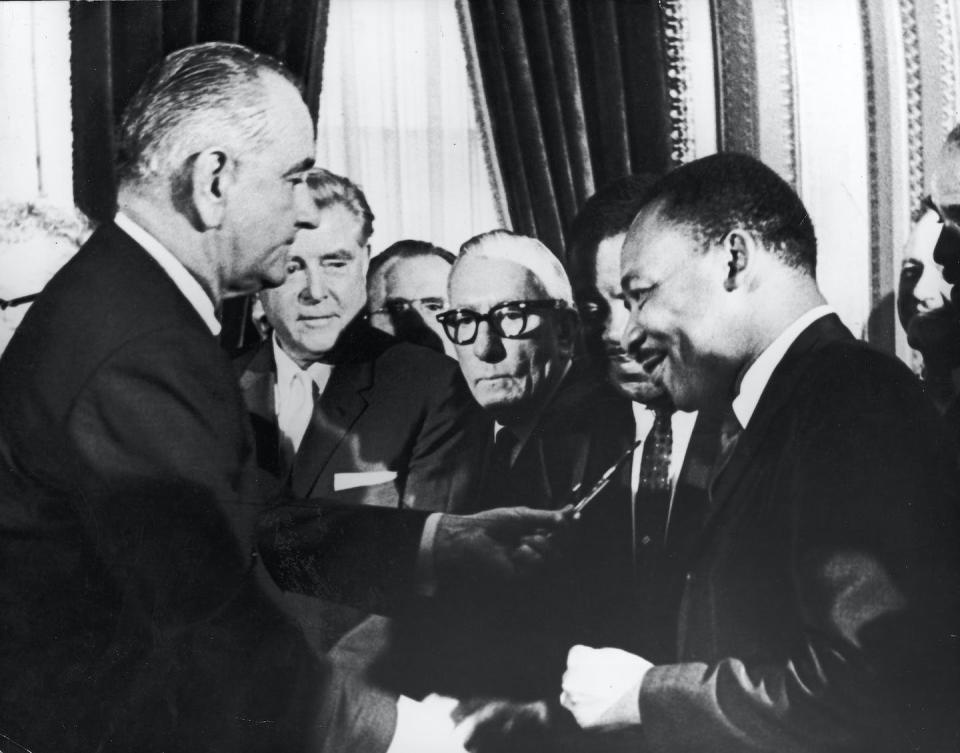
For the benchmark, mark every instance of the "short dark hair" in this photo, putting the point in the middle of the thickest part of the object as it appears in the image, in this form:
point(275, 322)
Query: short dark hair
point(714, 195)
point(407, 249)
point(329, 189)
point(609, 212)
point(193, 96)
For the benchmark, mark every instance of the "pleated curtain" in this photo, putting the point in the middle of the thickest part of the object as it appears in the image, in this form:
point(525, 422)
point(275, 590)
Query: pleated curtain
point(576, 92)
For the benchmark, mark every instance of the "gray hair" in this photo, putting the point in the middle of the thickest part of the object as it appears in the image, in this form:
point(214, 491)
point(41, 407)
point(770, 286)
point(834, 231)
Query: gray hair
point(528, 252)
point(196, 96)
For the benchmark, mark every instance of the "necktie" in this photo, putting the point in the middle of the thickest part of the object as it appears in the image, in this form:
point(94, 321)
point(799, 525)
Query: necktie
point(497, 477)
point(653, 489)
point(730, 431)
point(297, 409)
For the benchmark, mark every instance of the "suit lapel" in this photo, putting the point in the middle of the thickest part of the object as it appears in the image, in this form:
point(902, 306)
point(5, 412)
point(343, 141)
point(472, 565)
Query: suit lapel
point(342, 403)
point(257, 383)
point(775, 398)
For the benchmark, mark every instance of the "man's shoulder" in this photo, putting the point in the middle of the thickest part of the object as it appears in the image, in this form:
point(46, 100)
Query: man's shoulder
point(584, 401)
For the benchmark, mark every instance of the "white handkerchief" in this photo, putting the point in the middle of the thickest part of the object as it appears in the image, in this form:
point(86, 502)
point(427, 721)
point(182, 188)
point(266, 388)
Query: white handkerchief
point(343, 481)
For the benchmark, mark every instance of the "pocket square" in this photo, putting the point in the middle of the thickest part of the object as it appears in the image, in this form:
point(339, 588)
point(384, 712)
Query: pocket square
point(343, 481)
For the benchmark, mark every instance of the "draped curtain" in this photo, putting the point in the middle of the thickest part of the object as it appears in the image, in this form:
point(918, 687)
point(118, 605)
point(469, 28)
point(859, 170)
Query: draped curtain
point(397, 117)
point(114, 44)
point(577, 96)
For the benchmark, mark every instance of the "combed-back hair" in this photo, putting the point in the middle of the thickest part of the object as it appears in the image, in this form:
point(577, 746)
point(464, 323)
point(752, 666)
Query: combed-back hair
point(329, 189)
point(547, 271)
point(196, 97)
point(714, 195)
point(407, 249)
point(607, 213)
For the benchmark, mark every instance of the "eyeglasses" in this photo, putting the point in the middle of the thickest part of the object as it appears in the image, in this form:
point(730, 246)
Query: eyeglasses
point(399, 306)
point(511, 319)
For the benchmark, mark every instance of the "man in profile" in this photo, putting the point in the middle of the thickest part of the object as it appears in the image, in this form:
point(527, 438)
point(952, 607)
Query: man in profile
point(136, 611)
point(820, 609)
point(665, 485)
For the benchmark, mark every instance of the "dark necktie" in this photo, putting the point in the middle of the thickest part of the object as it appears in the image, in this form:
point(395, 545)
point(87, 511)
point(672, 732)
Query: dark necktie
point(730, 431)
point(653, 489)
point(496, 484)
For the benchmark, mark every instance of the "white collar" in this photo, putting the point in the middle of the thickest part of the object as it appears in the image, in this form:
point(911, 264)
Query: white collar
point(756, 377)
point(185, 282)
point(288, 369)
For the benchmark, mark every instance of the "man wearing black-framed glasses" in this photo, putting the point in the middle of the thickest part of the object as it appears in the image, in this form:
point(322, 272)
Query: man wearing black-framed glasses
point(514, 326)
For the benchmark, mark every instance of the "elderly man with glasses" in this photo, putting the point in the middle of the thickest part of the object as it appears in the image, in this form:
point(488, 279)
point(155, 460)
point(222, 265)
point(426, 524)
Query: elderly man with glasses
point(514, 326)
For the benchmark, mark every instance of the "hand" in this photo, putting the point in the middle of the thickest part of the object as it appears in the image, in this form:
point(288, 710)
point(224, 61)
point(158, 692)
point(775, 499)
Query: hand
point(601, 687)
point(513, 727)
point(496, 546)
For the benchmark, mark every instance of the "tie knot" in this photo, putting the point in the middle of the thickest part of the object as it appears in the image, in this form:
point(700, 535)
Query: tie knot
point(730, 427)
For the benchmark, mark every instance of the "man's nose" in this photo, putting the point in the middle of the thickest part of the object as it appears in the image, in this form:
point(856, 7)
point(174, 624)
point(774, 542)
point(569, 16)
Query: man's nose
point(487, 346)
point(307, 212)
point(616, 324)
point(633, 335)
point(315, 288)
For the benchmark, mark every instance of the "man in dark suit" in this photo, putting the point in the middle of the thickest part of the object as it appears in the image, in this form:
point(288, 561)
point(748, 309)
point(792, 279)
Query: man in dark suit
point(341, 410)
point(820, 607)
point(137, 614)
point(551, 427)
point(665, 486)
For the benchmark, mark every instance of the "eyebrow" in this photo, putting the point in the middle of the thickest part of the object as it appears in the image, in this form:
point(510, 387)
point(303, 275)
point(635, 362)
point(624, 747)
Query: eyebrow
point(302, 166)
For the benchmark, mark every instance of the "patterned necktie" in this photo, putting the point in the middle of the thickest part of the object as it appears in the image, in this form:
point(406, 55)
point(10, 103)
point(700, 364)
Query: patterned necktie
point(653, 489)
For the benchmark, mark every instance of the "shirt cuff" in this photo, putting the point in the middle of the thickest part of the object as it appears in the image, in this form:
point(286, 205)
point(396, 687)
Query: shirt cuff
point(425, 577)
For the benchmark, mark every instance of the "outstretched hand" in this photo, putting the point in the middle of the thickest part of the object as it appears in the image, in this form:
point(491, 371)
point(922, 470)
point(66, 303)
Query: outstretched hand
point(497, 546)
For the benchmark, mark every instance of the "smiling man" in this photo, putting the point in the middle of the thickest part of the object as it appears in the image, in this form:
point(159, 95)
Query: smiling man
point(820, 606)
point(340, 409)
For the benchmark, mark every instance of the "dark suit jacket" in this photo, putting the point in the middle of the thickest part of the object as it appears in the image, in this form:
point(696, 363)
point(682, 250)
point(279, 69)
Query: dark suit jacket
point(820, 611)
point(388, 406)
point(504, 643)
point(134, 611)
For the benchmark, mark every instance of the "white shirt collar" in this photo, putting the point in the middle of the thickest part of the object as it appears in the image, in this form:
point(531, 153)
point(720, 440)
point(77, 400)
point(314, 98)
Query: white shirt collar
point(185, 282)
point(756, 377)
point(287, 368)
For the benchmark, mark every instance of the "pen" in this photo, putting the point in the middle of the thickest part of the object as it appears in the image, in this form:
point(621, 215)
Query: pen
point(603, 480)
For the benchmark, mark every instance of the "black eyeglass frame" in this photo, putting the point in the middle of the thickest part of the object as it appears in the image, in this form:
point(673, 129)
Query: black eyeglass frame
point(545, 304)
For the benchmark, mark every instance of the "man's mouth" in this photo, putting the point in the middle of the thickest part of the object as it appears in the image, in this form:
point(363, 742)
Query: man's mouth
point(316, 319)
point(649, 361)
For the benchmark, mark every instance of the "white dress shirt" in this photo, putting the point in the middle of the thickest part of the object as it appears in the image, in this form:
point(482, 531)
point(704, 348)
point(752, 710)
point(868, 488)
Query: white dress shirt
point(681, 423)
point(186, 283)
point(293, 395)
point(601, 685)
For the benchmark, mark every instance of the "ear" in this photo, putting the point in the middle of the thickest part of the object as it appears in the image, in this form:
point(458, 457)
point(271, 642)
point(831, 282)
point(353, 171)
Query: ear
point(214, 173)
point(738, 248)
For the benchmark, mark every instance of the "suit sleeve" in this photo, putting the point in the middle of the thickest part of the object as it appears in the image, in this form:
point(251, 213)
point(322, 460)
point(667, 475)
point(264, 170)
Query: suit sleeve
point(872, 566)
point(444, 460)
point(198, 648)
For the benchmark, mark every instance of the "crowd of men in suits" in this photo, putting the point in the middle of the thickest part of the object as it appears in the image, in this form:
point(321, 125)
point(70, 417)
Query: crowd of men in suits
point(364, 533)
